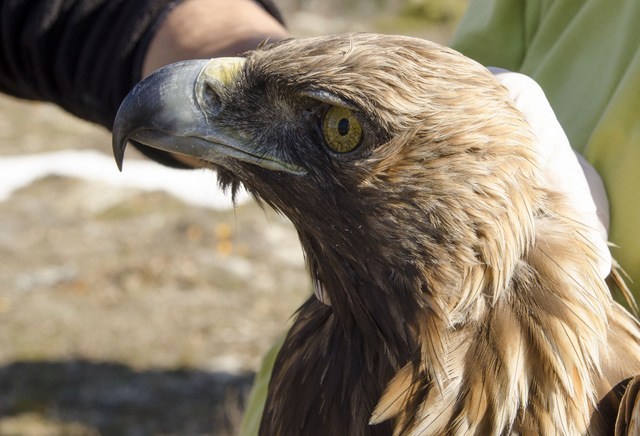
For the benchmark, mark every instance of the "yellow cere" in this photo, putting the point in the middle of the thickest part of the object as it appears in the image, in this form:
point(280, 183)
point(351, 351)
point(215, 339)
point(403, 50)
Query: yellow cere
point(224, 70)
point(341, 129)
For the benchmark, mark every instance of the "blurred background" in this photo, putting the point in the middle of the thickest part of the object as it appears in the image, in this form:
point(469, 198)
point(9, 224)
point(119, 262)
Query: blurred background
point(141, 303)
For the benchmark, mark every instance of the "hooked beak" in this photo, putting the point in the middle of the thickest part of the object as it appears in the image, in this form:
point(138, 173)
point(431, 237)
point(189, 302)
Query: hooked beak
point(175, 109)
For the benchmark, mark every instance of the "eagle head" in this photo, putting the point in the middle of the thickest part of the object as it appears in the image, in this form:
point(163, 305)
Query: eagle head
point(414, 187)
point(393, 157)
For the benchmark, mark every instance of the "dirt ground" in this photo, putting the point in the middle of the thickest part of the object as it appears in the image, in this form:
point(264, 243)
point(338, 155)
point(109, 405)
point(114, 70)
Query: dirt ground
point(130, 312)
point(114, 302)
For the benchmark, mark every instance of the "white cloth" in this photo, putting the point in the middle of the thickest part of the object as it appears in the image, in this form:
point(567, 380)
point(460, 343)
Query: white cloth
point(564, 169)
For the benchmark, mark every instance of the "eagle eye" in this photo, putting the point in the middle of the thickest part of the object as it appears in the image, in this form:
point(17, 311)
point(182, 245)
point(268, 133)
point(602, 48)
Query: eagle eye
point(341, 129)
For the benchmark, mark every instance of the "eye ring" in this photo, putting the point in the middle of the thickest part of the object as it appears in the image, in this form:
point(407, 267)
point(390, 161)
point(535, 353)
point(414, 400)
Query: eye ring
point(341, 129)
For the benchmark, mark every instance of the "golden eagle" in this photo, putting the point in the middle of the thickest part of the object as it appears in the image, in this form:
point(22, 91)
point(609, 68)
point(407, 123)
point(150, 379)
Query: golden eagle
point(455, 293)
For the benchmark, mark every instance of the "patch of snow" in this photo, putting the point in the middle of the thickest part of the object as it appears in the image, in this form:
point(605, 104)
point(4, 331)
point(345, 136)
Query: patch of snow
point(194, 187)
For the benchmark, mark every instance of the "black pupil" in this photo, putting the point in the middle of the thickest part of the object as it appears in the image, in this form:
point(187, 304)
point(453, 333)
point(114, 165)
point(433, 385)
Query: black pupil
point(343, 126)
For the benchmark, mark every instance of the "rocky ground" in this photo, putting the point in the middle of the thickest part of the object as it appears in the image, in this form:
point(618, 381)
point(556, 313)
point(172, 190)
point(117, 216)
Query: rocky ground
point(130, 312)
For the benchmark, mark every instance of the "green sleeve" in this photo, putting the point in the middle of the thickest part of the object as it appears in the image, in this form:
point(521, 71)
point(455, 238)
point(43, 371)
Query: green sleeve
point(586, 57)
point(258, 397)
point(493, 32)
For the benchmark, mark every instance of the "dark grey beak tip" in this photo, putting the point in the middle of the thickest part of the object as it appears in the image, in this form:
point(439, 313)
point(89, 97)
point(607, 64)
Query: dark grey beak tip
point(123, 128)
point(119, 146)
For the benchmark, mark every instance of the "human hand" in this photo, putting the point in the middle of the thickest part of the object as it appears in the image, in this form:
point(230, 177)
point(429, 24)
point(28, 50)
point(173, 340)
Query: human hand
point(203, 29)
point(565, 170)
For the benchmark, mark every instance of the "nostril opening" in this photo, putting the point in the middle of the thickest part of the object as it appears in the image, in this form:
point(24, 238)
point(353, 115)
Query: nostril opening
point(210, 98)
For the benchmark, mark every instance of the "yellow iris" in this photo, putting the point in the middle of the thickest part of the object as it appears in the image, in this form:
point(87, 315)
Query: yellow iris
point(341, 129)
